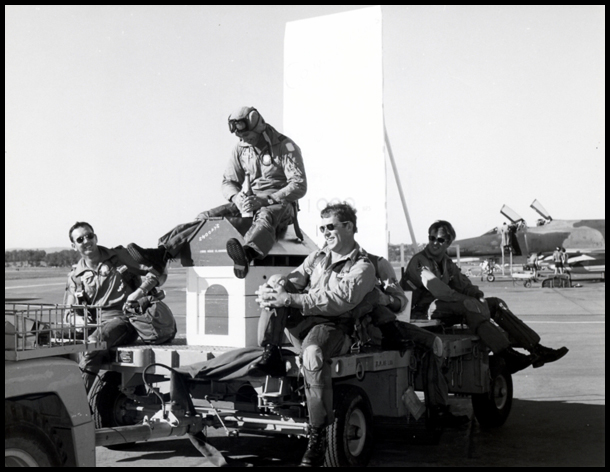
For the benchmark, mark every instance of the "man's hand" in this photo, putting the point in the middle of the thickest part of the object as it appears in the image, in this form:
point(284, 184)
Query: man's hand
point(272, 297)
point(135, 295)
point(384, 299)
point(479, 295)
point(239, 200)
point(132, 300)
point(252, 203)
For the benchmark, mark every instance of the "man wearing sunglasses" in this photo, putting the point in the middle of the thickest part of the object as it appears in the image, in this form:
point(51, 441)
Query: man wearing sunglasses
point(313, 304)
point(109, 278)
point(277, 180)
point(441, 291)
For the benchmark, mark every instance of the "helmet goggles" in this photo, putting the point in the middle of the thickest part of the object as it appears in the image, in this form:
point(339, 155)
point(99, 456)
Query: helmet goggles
point(245, 119)
point(239, 125)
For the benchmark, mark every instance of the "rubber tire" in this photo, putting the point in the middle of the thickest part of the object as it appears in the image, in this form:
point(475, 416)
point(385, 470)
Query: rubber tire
point(491, 278)
point(493, 408)
point(29, 440)
point(527, 283)
point(105, 400)
point(351, 408)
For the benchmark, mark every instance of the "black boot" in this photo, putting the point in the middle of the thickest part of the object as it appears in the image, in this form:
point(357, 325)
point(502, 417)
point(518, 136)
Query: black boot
point(270, 364)
point(515, 361)
point(156, 258)
point(241, 258)
point(316, 447)
point(542, 355)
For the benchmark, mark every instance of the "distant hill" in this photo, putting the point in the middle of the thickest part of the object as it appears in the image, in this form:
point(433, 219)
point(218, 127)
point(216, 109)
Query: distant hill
point(48, 250)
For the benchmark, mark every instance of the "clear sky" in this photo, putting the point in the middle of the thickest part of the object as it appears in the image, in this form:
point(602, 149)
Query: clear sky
point(116, 115)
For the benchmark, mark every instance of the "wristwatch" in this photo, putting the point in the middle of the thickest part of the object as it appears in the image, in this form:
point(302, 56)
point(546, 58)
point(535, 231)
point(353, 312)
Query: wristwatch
point(270, 200)
point(391, 298)
point(288, 301)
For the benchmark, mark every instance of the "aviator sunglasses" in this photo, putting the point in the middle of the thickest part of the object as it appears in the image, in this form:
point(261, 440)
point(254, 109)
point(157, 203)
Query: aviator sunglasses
point(330, 226)
point(88, 237)
point(439, 240)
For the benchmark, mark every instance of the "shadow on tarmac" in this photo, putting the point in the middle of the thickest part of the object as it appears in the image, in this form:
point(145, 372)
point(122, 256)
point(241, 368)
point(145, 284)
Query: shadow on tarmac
point(545, 433)
point(243, 451)
point(536, 434)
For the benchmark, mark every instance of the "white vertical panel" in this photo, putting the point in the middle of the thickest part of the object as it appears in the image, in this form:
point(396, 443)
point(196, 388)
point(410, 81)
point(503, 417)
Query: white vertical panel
point(333, 109)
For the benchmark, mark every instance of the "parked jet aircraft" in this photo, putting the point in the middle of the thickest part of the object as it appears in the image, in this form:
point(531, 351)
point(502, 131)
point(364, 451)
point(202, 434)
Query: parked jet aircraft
point(577, 236)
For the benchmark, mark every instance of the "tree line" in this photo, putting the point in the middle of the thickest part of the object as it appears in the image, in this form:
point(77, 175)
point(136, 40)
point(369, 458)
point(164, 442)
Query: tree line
point(38, 258)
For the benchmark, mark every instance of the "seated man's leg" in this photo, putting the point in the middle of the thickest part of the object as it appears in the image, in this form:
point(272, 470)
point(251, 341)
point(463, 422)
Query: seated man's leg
point(436, 389)
point(268, 220)
point(116, 332)
point(322, 343)
point(172, 244)
point(517, 330)
point(523, 335)
point(260, 237)
point(400, 332)
point(477, 317)
point(271, 326)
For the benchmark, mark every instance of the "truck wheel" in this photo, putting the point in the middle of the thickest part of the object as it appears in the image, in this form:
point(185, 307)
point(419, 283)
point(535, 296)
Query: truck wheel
point(108, 404)
point(349, 436)
point(491, 278)
point(492, 409)
point(29, 440)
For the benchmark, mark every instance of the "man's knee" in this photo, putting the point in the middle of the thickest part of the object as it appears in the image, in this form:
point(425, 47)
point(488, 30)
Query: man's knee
point(313, 359)
point(495, 304)
point(277, 280)
point(265, 218)
point(477, 313)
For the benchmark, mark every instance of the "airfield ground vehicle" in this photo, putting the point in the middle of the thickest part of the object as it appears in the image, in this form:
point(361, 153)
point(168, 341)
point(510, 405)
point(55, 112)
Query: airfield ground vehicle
point(47, 421)
point(136, 398)
point(526, 277)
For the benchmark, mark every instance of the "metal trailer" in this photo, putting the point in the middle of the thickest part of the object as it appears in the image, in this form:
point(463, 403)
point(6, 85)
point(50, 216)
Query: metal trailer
point(371, 387)
point(132, 400)
point(526, 277)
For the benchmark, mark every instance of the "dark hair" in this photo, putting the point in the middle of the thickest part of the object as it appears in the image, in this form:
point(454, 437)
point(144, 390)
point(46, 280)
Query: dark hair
point(79, 224)
point(343, 211)
point(444, 225)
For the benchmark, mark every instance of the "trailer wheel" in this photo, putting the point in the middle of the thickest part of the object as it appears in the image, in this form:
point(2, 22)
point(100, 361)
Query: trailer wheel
point(492, 409)
point(108, 404)
point(29, 440)
point(349, 436)
point(491, 278)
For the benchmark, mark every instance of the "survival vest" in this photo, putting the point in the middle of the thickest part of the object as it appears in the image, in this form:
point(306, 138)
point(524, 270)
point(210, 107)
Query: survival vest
point(152, 319)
